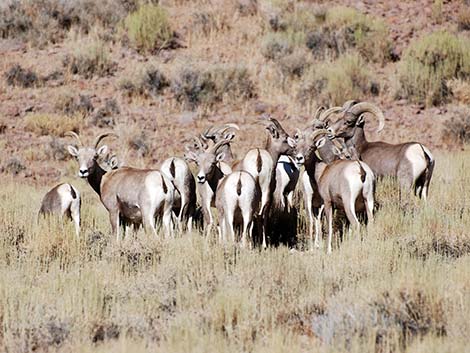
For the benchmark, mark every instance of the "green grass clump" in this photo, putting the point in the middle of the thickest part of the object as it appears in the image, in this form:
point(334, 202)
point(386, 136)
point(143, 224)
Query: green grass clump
point(332, 83)
point(148, 28)
point(429, 63)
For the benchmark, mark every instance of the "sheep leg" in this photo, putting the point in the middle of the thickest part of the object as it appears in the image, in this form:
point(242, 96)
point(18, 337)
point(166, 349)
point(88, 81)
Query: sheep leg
point(167, 220)
point(329, 217)
point(75, 214)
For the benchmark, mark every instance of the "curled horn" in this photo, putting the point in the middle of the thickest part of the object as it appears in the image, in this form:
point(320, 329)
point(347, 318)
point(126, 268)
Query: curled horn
point(74, 135)
point(277, 125)
point(366, 107)
point(230, 126)
point(103, 136)
point(212, 131)
point(318, 112)
point(348, 104)
point(214, 148)
point(338, 144)
point(319, 132)
point(326, 113)
point(198, 144)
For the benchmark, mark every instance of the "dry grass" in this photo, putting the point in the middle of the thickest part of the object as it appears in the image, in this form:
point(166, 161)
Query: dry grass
point(332, 83)
point(88, 56)
point(400, 289)
point(52, 124)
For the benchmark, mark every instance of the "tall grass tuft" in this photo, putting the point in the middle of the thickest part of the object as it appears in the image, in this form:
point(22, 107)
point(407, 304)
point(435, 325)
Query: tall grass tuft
point(332, 83)
point(148, 28)
point(88, 56)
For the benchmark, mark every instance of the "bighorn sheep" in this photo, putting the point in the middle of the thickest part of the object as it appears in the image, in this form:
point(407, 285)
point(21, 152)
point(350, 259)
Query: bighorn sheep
point(131, 196)
point(260, 164)
point(287, 172)
point(235, 196)
point(209, 175)
point(344, 184)
point(216, 134)
point(237, 201)
point(178, 172)
point(63, 200)
point(411, 163)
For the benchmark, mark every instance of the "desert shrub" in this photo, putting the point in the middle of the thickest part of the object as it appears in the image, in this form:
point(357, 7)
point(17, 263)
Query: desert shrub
point(457, 129)
point(88, 57)
point(351, 29)
point(463, 19)
point(329, 33)
point(148, 28)
point(460, 90)
point(429, 63)
point(211, 21)
point(69, 104)
point(398, 317)
point(140, 143)
point(332, 83)
point(246, 7)
point(52, 124)
point(276, 46)
point(57, 150)
point(43, 21)
point(146, 80)
point(17, 76)
point(293, 65)
point(13, 166)
point(104, 116)
point(212, 84)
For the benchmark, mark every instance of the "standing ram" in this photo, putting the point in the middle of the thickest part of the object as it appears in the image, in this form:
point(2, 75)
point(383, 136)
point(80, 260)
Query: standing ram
point(131, 196)
point(341, 184)
point(411, 162)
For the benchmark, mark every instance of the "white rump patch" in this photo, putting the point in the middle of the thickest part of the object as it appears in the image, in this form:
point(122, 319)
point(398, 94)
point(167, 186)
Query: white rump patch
point(415, 155)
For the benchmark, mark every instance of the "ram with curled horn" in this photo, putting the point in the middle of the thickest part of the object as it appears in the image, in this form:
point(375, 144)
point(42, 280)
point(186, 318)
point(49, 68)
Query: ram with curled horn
point(209, 175)
point(332, 182)
point(131, 196)
point(411, 163)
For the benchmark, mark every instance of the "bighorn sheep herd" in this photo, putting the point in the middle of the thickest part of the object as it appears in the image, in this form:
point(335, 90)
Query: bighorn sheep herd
point(340, 170)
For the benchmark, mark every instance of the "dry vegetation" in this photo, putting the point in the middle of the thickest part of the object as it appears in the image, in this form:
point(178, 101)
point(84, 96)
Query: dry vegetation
point(157, 71)
point(402, 288)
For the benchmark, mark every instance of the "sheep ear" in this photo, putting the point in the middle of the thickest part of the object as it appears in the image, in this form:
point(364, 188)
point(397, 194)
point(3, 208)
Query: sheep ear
point(220, 156)
point(102, 150)
point(291, 142)
point(113, 162)
point(320, 143)
point(272, 130)
point(72, 150)
point(360, 121)
point(229, 136)
point(190, 156)
point(336, 151)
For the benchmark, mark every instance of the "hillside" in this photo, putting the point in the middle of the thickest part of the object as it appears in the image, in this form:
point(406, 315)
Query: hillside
point(223, 61)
